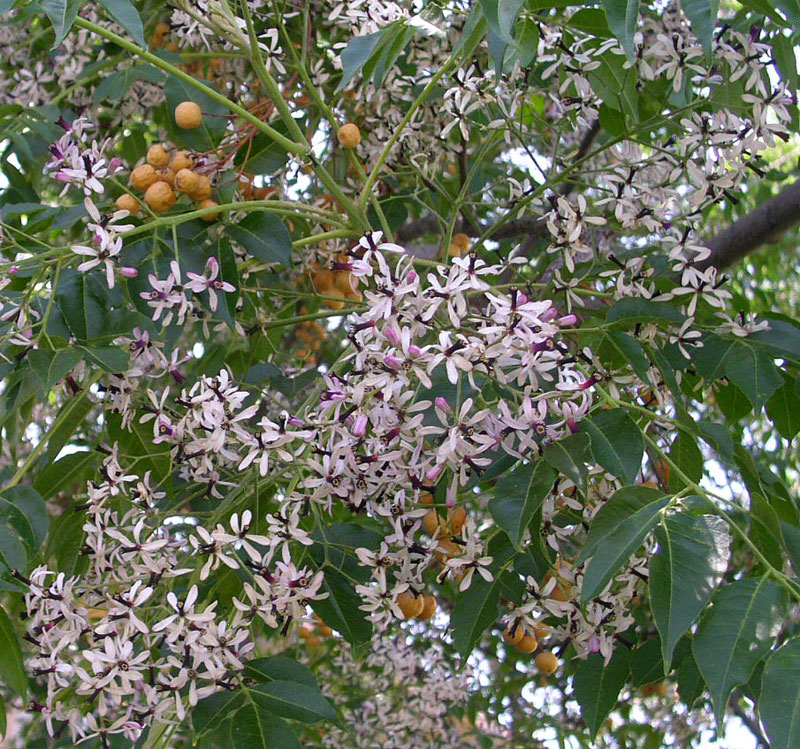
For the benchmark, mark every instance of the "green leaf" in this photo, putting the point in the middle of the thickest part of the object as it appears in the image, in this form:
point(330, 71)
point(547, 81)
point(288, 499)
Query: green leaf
point(628, 350)
point(597, 686)
point(691, 560)
point(754, 373)
point(264, 236)
point(123, 12)
point(210, 712)
point(64, 473)
point(340, 609)
point(83, 301)
point(783, 409)
point(735, 634)
point(623, 15)
point(12, 670)
point(779, 701)
point(62, 14)
point(690, 681)
point(623, 503)
point(702, 15)
point(12, 550)
point(647, 666)
point(374, 54)
point(719, 437)
point(476, 609)
point(687, 456)
point(254, 728)
point(264, 156)
point(570, 456)
point(518, 495)
point(636, 309)
point(279, 668)
point(617, 443)
point(617, 87)
point(109, 358)
point(32, 505)
point(290, 699)
point(613, 549)
point(51, 366)
point(76, 409)
point(501, 16)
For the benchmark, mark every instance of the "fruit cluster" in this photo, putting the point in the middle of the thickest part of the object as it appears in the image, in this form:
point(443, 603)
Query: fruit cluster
point(337, 287)
point(168, 171)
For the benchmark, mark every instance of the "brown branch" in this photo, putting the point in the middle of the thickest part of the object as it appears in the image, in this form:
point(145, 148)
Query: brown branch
point(764, 224)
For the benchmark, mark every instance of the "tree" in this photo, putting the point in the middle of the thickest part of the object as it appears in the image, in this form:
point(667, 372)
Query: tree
point(398, 374)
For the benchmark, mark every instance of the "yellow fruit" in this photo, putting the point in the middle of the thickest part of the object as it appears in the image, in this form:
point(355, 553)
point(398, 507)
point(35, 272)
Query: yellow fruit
point(181, 160)
point(322, 279)
point(188, 115)
point(447, 548)
point(410, 604)
point(461, 242)
point(325, 630)
point(426, 498)
point(209, 204)
point(186, 181)
point(344, 281)
point(128, 203)
point(143, 176)
point(514, 634)
point(527, 644)
point(457, 520)
point(337, 301)
point(159, 197)
point(349, 135)
point(429, 609)
point(202, 190)
point(166, 175)
point(547, 662)
point(541, 633)
point(432, 522)
point(158, 157)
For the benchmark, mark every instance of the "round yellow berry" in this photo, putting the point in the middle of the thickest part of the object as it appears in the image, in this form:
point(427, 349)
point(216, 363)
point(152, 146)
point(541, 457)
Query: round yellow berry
point(411, 605)
point(428, 609)
point(159, 197)
point(186, 181)
point(181, 160)
point(547, 662)
point(143, 176)
point(349, 135)
point(208, 203)
point(527, 644)
point(128, 203)
point(158, 157)
point(188, 115)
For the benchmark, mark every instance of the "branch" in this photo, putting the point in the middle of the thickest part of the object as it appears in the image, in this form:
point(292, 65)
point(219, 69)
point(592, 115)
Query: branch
point(764, 224)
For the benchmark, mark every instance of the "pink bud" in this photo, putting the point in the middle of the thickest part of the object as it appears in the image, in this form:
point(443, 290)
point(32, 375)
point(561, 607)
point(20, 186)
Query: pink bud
point(13, 270)
point(432, 476)
point(360, 425)
point(568, 320)
point(521, 298)
point(414, 350)
point(128, 272)
point(549, 314)
point(392, 336)
point(412, 276)
point(393, 362)
point(443, 405)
